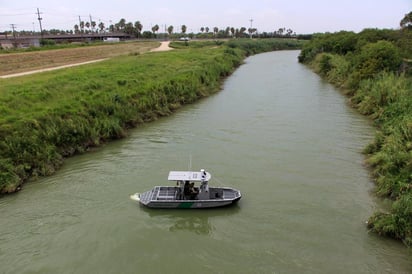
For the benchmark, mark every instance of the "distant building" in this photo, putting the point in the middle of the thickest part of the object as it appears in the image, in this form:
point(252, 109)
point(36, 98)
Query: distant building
point(19, 43)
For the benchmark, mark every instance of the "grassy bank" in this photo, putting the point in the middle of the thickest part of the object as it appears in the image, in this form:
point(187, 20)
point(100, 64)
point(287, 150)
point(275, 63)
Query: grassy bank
point(47, 117)
point(373, 70)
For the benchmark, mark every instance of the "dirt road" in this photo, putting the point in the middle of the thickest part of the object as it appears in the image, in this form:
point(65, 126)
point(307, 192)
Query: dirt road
point(19, 64)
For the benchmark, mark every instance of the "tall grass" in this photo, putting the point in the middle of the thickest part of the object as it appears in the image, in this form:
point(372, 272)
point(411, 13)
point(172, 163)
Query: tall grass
point(386, 97)
point(49, 116)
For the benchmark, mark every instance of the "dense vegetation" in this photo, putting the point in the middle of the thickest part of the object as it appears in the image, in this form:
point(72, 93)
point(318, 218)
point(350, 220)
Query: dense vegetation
point(49, 116)
point(374, 68)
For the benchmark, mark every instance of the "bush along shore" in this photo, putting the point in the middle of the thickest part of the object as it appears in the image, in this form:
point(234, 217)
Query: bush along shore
point(49, 116)
point(373, 68)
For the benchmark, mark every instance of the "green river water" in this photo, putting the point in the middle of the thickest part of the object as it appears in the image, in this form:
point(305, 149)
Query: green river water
point(276, 131)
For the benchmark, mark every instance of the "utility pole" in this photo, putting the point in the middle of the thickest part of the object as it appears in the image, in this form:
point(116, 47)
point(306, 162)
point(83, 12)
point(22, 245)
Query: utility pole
point(39, 18)
point(80, 26)
point(250, 33)
point(13, 27)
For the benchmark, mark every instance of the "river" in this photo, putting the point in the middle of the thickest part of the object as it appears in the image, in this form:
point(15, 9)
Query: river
point(276, 131)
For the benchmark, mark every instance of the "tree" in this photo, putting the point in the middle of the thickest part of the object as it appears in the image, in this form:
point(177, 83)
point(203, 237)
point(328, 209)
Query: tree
point(82, 26)
point(251, 31)
point(138, 26)
point(184, 29)
point(170, 30)
point(155, 28)
point(406, 22)
point(76, 29)
point(129, 29)
point(101, 27)
point(207, 29)
point(202, 29)
point(122, 24)
point(88, 26)
point(93, 24)
point(242, 31)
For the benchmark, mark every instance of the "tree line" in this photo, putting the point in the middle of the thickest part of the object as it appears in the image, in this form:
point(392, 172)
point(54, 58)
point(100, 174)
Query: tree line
point(156, 31)
point(136, 30)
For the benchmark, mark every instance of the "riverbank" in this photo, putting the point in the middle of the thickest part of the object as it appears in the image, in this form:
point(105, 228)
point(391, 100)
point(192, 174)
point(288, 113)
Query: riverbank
point(49, 116)
point(370, 68)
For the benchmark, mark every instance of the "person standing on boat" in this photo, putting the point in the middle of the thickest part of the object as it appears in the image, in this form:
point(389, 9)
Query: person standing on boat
point(186, 189)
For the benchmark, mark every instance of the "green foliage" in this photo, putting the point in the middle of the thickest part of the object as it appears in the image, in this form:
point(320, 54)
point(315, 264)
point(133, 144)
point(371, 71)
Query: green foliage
point(47, 42)
point(337, 43)
point(257, 46)
point(398, 224)
point(344, 43)
point(369, 70)
point(376, 57)
point(406, 22)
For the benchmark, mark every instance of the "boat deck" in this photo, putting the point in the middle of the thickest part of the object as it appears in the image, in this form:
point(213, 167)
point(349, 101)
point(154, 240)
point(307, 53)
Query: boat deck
point(168, 193)
point(165, 193)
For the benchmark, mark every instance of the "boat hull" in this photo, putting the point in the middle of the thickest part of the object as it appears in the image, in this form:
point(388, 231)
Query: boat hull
point(152, 199)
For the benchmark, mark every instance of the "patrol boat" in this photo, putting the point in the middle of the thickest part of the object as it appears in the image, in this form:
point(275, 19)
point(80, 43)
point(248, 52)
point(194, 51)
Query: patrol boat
point(192, 191)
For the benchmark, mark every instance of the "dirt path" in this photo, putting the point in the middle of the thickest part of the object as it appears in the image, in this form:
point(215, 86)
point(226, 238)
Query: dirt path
point(164, 46)
point(49, 69)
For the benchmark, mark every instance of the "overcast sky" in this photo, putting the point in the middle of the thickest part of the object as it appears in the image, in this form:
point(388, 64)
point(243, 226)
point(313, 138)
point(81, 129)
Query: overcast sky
point(302, 16)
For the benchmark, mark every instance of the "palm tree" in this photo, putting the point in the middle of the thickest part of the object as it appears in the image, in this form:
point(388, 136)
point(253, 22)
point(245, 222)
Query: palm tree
point(101, 26)
point(76, 29)
point(122, 23)
point(93, 24)
point(82, 26)
point(138, 26)
point(155, 28)
point(88, 26)
point(170, 30)
point(184, 28)
point(202, 29)
point(207, 29)
point(128, 28)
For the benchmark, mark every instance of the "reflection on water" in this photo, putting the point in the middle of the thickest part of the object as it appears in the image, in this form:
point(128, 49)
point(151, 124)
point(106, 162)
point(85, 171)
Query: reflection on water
point(191, 220)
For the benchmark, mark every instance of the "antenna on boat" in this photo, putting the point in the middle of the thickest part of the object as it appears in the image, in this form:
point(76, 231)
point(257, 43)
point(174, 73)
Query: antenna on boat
point(190, 163)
